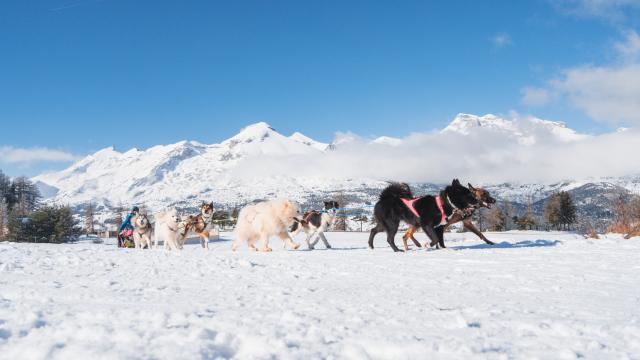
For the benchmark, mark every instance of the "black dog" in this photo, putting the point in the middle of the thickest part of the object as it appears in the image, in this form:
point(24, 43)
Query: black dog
point(428, 212)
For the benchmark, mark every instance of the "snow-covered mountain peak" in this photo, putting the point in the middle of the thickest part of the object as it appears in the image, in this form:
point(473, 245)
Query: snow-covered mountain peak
point(387, 140)
point(254, 132)
point(301, 138)
point(526, 130)
point(464, 123)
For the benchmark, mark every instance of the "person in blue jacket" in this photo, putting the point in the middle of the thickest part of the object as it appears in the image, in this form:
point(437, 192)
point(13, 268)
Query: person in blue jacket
point(126, 229)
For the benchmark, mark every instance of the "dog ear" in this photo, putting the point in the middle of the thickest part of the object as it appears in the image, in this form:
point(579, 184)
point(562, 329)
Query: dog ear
point(471, 187)
point(211, 204)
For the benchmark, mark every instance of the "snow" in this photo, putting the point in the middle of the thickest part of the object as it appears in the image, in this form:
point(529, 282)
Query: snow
point(301, 138)
point(527, 131)
point(387, 140)
point(259, 163)
point(534, 295)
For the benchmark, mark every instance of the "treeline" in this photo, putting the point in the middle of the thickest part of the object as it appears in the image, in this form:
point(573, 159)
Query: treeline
point(23, 218)
point(560, 213)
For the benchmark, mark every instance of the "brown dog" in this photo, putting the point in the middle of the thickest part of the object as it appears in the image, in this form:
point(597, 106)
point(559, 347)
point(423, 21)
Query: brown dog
point(484, 200)
point(200, 224)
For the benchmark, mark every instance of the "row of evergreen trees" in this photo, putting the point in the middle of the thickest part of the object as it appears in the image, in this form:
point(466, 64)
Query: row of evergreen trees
point(23, 218)
point(560, 213)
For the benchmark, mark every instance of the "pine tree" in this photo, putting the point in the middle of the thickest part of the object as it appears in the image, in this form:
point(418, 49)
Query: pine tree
point(552, 213)
point(16, 226)
point(4, 212)
point(26, 194)
point(567, 210)
point(89, 220)
point(6, 191)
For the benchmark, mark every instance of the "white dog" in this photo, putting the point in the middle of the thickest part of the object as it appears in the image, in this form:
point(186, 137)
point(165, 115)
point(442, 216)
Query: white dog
point(170, 229)
point(264, 220)
point(141, 231)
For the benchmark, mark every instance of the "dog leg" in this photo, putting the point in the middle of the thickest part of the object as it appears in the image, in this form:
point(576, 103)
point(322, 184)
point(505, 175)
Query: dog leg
point(204, 240)
point(415, 242)
point(404, 242)
point(431, 233)
point(440, 233)
point(308, 240)
point(264, 240)
point(316, 239)
point(469, 226)
point(379, 228)
point(324, 240)
point(287, 240)
point(405, 237)
point(392, 229)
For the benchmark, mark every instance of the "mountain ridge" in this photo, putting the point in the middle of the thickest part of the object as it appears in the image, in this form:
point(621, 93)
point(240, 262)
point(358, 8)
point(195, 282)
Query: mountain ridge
point(185, 172)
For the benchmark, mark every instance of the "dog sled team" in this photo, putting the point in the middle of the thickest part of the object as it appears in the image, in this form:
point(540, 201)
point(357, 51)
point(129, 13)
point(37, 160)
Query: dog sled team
point(170, 228)
point(257, 223)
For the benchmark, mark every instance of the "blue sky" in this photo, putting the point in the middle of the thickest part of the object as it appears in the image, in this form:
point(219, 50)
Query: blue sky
point(77, 76)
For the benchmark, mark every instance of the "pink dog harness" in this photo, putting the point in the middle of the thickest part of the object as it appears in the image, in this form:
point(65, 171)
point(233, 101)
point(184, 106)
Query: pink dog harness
point(409, 204)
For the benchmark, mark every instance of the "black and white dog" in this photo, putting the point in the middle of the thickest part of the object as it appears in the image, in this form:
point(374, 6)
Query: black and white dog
point(316, 222)
point(431, 213)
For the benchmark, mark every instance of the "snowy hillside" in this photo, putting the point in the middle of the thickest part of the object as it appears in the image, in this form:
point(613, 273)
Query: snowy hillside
point(187, 172)
point(532, 296)
point(259, 163)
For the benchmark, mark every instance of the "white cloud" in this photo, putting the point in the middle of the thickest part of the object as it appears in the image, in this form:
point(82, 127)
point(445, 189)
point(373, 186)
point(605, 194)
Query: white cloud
point(532, 96)
point(13, 155)
point(501, 40)
point(608, 93)
point(485, 155)
point(629, 49)
point(610, 10)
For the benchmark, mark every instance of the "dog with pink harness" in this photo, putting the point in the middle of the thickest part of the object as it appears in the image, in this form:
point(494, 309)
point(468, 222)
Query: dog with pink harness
point(431, 213)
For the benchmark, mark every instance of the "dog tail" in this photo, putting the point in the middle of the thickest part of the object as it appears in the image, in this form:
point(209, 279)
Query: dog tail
point(396, 191)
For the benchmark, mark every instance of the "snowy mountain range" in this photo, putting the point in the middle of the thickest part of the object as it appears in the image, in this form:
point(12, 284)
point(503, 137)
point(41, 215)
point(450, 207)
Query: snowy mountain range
point(184, 173)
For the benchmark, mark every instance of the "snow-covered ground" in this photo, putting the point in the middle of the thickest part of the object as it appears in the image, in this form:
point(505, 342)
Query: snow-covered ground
point(534, 295)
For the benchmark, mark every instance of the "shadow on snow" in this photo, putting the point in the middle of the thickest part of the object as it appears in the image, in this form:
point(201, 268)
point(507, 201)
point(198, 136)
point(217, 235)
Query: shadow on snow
point(506, 245)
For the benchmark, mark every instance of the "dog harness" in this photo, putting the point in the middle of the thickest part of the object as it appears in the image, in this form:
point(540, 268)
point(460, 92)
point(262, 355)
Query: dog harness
point(409, 204)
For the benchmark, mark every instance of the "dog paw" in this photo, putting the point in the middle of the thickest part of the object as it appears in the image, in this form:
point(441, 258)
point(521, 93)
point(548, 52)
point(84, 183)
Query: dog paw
point(296, 246)
point(268, 249)
point(328, 246)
